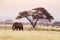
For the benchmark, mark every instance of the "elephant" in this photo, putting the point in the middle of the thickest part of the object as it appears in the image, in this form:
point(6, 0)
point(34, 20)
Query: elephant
point(17, 26)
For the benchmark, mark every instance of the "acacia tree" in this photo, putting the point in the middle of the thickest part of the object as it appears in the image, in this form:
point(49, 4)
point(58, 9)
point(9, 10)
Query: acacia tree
point(39, 13)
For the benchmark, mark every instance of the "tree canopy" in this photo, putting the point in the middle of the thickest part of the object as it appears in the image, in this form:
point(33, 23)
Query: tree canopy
point(38, 13)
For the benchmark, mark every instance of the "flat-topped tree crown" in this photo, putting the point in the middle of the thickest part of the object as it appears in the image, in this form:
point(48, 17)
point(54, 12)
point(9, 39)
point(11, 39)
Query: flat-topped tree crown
point(22, 14)
point(43, 13)
point(38, 13)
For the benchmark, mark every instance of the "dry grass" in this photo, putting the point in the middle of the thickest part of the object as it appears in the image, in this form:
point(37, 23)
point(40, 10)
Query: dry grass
point(29, 27)
point(29, 35)
point(5, 27)
point(38, 33)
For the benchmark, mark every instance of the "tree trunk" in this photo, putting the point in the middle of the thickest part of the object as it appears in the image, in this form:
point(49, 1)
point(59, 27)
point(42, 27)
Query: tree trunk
point(30, 21)
point(33, 24)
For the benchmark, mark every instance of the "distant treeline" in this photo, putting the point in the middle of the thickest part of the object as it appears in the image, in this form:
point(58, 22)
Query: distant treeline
point(10, 22)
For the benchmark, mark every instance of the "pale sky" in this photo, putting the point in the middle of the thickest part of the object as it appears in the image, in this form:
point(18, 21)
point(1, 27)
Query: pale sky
point(9, 8)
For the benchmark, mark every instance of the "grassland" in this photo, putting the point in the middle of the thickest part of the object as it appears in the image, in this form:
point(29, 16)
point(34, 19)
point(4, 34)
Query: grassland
point(29, 35)
point(29, 27)
point(38, 33)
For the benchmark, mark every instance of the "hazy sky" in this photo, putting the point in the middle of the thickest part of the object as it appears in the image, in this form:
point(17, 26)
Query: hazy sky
point(10, 8)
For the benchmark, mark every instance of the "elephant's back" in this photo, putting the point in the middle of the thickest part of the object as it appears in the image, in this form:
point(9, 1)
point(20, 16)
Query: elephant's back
point(18, 24)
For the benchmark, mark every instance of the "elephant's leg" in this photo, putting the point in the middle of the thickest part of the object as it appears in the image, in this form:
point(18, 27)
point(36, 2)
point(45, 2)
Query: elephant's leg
point(13, 27)
point(16, 28)
point(19, 29)
point(22, 28)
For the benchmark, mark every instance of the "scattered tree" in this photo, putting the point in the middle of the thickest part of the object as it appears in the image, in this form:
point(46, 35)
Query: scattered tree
point(39, 13)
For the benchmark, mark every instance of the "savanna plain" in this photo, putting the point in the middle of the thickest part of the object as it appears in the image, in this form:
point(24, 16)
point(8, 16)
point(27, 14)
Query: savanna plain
point(39, 33)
